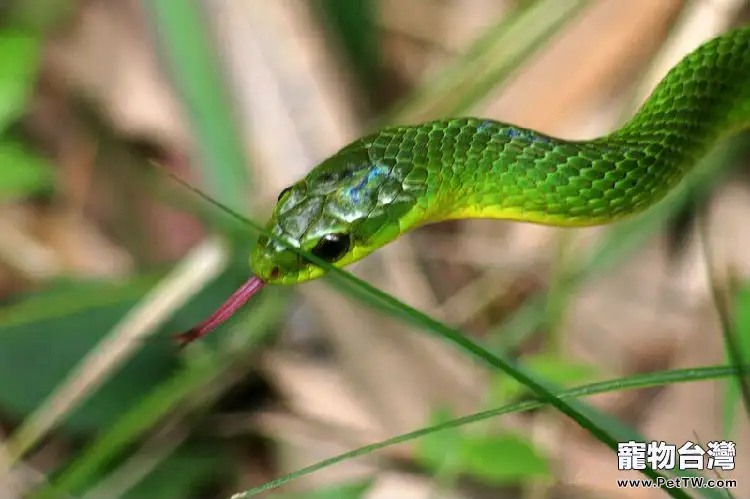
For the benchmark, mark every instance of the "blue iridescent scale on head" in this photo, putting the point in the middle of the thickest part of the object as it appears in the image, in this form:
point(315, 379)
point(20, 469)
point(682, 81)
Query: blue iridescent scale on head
point(374, 174)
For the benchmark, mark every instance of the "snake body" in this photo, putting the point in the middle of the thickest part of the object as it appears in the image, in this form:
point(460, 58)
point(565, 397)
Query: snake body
point(379, 187)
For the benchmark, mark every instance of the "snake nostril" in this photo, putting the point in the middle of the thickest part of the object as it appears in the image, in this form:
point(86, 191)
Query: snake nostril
point(274, 273)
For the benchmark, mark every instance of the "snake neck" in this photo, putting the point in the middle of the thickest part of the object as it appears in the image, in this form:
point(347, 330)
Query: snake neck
point(476, 168)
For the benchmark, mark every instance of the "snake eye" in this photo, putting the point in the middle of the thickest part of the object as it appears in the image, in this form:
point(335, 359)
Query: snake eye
point(281, 194)
point(332, 247)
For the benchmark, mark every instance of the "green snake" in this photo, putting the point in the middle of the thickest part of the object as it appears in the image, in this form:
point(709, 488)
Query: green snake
point(399, 178)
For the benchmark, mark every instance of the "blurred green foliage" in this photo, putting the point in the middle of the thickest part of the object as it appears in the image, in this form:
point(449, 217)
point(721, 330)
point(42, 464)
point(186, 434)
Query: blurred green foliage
point(354, 490)
point(22, 171)
point(354, 24)
point(505, 458)
point(733, 392)
point(184, 474)
point(562, 371)
point(19, 64)
point(44, 337)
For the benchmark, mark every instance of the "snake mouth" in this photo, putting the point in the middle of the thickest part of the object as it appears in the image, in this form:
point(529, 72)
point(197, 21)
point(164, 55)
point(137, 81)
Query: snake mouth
point(235, 301)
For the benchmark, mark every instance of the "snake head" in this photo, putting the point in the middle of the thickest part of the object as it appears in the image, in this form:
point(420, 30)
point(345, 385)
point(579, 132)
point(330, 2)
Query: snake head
point(343, 210)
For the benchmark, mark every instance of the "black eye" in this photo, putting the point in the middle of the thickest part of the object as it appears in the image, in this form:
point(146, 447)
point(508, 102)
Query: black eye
point(331, 247)
point(281, 194)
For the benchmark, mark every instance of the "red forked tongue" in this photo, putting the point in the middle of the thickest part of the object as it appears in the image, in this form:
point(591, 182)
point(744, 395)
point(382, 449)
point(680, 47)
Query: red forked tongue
point(233, 303)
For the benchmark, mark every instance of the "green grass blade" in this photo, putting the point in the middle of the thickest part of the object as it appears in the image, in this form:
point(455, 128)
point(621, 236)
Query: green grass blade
point(621, 384)
point(503, 49)
point(583, 415)
point(355, 24)
point(155, 405)
point(531, 33)
point(190, 56)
